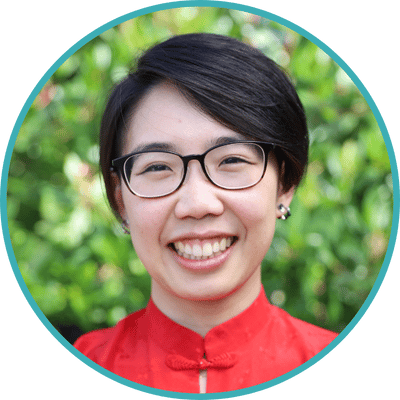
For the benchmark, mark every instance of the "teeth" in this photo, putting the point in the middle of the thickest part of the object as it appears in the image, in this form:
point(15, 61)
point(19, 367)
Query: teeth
point(181, 247)
point(215, 248)
point(188, 249)
point(207, 250)
point(198, 252)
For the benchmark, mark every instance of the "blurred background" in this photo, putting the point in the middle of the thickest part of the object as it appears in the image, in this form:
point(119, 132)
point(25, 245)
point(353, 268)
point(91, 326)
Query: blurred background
point(75, 259)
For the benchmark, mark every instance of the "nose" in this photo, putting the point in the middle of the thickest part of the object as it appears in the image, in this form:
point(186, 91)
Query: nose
point(197, 197)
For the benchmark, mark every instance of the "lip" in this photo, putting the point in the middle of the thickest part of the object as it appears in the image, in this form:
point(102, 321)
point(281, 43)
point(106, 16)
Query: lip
point(201, 236)
point(203, 265)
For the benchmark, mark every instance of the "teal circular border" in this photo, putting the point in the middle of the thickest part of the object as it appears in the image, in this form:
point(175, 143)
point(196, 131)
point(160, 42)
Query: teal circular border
point(200, 3)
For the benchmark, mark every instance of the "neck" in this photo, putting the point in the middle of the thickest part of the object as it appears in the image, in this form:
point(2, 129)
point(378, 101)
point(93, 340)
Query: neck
point(202, 315)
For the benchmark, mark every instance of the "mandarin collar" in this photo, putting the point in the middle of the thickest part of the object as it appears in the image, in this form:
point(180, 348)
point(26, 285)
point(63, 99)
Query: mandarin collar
point(226, 338)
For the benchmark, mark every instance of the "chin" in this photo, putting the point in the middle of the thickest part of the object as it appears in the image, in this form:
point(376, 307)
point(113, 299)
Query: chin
point(206, 293)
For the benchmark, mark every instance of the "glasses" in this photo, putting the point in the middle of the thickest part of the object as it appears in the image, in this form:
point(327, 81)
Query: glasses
point(232, 166)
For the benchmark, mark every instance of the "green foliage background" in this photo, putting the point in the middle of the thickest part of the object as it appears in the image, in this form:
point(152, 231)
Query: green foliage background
point(76, 261)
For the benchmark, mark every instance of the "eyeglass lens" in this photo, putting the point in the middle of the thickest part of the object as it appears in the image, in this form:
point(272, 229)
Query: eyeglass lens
point(231, 166)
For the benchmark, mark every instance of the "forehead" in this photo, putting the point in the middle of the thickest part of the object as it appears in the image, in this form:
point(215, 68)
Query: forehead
point(165, 115)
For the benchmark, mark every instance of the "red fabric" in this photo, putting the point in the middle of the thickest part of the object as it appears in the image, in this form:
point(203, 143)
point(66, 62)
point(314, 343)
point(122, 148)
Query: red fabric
point(260, 344)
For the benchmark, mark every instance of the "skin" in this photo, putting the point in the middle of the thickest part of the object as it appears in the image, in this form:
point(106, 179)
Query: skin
point(197, 299)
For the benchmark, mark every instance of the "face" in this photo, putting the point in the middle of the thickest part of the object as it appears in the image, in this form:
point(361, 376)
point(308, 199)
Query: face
point(229, 230)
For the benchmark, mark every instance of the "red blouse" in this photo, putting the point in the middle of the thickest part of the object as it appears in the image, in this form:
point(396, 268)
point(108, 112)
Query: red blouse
point(260, 344)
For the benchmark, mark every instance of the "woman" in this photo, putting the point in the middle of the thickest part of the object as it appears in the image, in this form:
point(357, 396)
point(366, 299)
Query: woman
point(202, 148)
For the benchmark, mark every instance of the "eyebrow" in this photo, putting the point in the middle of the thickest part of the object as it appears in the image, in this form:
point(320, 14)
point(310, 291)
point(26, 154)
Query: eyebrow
point(154, 146)
point(227, 140)
point(167, 146)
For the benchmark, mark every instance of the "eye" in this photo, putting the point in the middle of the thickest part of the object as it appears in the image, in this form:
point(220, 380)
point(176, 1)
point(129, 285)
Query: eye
point(233, 160)
point(156, 168)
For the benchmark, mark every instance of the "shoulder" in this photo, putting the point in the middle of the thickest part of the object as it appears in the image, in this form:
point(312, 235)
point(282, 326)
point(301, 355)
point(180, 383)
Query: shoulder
point(96, 344)
point(91, 340)
point(310, 338)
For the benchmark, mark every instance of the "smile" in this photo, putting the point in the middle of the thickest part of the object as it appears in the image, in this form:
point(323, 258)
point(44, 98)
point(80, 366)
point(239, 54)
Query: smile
point(203, 250)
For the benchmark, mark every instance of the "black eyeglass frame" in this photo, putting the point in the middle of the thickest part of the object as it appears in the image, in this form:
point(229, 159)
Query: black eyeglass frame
point(118, 164)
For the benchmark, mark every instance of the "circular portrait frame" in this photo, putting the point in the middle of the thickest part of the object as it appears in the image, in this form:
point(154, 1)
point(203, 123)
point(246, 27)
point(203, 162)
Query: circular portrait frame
point(327, 50)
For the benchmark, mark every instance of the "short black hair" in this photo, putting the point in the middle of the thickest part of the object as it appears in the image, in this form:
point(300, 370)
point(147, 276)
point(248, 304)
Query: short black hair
point(234, 83)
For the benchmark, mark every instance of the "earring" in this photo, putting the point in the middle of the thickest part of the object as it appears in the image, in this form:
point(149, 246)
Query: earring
point(285, 210)
point(125, 227)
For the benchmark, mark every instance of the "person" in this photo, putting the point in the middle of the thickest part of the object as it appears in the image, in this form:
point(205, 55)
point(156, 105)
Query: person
point(201, 149)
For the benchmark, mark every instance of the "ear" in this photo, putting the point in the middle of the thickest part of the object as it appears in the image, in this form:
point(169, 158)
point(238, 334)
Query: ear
point(117, 188)
point(284, 198)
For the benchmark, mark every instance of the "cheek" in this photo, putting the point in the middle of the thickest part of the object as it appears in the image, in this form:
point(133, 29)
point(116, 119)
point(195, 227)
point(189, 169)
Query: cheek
point(257, 208)
point(258, 217)
point(146, 219)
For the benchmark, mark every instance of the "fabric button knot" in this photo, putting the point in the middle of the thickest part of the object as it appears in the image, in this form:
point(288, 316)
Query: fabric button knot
point(179, 363)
